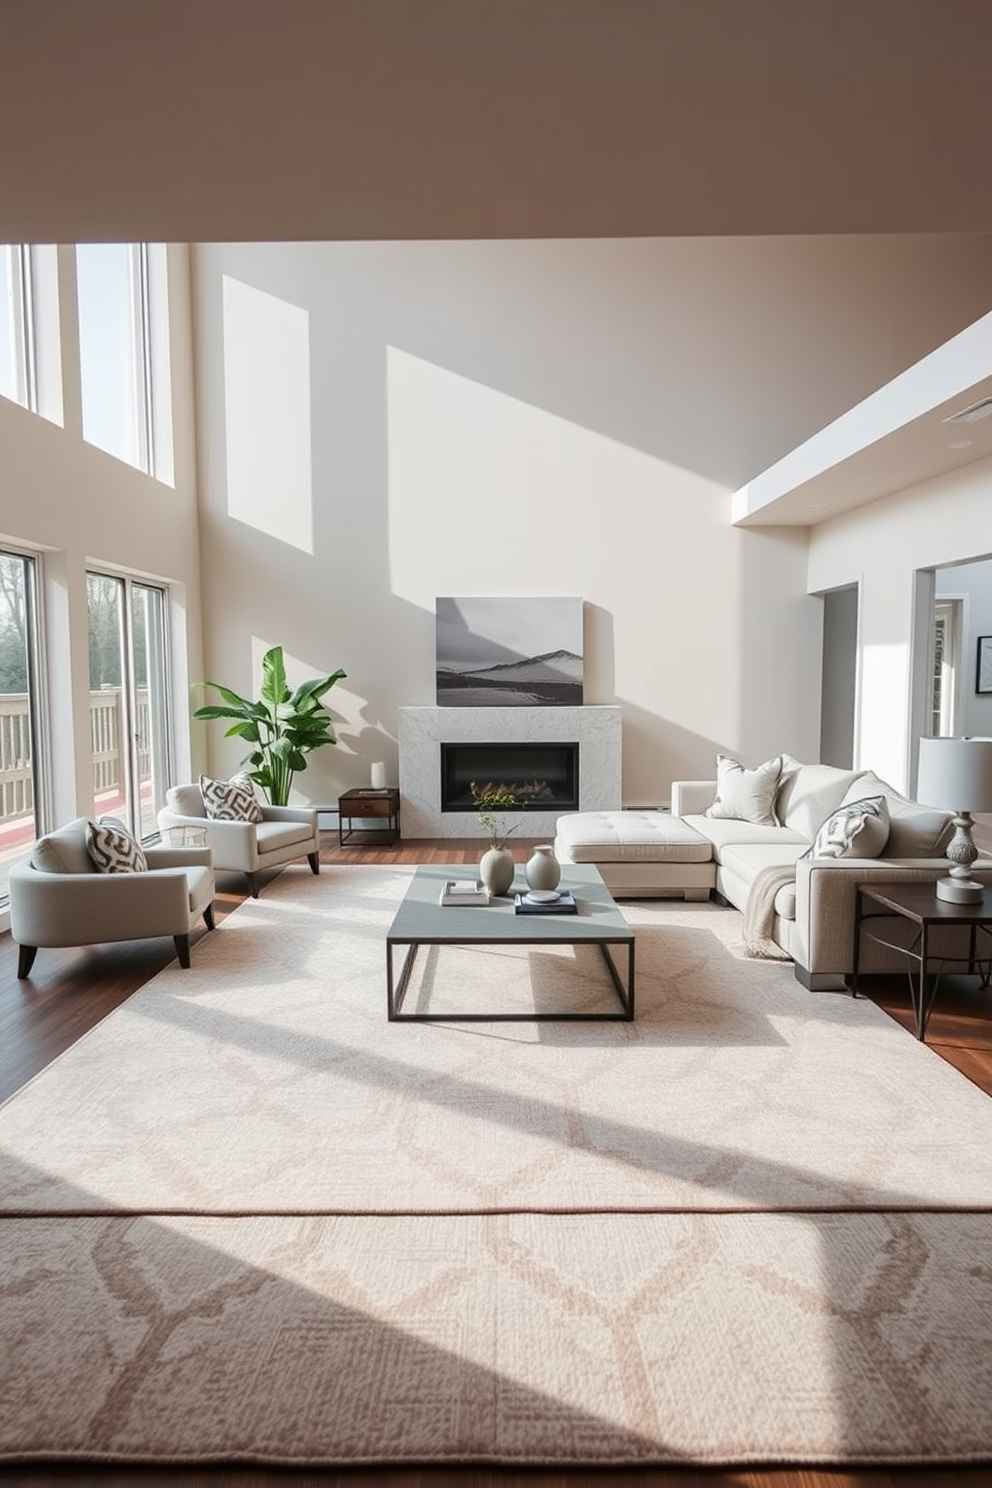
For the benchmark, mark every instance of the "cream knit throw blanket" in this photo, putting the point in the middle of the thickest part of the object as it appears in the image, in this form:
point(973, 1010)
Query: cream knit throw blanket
point(759, 916)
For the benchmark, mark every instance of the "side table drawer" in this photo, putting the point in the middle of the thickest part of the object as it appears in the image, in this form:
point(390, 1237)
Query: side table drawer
point(370, 806)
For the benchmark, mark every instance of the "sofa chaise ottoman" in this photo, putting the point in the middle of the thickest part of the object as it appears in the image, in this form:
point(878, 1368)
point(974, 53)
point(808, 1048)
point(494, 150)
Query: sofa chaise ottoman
point(796, 904)
point(649, 854)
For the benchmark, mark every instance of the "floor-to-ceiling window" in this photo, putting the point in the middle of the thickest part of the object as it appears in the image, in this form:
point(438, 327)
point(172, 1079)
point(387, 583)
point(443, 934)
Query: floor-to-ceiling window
point(30, 350)
point(21, 777)
point(129, 725)
point(17, 358)
point(124, 353)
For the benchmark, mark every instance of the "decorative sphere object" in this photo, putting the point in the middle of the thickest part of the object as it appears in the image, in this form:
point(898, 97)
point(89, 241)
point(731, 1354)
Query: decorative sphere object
point(497, 869)
point(543, 871)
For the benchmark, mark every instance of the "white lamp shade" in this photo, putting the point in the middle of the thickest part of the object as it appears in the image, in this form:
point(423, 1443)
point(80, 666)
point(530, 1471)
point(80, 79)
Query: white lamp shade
point(955, 774)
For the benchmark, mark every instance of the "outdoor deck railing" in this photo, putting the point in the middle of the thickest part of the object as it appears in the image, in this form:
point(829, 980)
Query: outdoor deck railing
point(106, 732)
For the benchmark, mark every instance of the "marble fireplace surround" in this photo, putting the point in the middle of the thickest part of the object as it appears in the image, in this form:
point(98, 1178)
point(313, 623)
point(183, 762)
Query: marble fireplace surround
point(422, 731)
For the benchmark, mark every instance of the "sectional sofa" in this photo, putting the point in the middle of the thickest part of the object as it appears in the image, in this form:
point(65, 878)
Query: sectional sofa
point(766, 853)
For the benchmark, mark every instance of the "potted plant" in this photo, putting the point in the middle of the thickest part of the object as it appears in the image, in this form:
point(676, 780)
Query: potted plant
point(496, 868)
point(283, 726)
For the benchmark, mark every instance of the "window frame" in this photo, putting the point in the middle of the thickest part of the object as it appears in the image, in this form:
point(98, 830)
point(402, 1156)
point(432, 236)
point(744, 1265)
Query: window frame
point(149, 370)
point(131, 782)
point(39, 725)
point(948, 624)
point(23, 347)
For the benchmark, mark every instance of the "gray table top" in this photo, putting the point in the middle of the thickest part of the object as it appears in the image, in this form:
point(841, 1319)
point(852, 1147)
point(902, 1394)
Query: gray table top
point(422, 918)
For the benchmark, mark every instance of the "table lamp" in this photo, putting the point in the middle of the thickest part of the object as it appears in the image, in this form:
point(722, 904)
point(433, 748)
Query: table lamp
point(956, 775)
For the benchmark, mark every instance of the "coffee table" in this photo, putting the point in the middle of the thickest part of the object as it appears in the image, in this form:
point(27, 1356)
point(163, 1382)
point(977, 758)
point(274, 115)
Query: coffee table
point(422, 921)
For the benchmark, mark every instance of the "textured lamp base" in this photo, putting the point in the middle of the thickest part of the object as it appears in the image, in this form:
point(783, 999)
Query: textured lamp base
point(959, 887)
point(960, 890)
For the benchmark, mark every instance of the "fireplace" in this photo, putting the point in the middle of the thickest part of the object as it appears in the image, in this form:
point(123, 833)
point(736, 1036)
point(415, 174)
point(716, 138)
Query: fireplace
point(595, 730)
point(541, 776)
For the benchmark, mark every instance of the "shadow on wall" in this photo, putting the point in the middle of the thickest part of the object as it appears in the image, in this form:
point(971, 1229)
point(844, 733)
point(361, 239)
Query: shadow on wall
point(780, 636)
point(657, 751)
point(428, 429)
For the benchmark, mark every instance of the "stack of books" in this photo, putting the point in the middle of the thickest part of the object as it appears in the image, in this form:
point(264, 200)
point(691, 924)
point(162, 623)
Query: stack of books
point(563, 903)
point(464, 891)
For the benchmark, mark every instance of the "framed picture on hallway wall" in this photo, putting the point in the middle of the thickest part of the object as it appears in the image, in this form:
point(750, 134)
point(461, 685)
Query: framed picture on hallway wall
point(983, 673)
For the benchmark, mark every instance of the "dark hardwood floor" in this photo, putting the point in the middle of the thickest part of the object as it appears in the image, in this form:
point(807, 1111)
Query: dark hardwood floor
point(70, 991)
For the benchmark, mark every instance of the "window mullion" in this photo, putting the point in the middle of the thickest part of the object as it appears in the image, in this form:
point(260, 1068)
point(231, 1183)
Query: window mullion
point(25, 288)
point(129, 708)
point(141, 315)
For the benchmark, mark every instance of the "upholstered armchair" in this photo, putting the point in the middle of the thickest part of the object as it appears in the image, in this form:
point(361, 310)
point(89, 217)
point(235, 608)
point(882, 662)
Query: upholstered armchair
point(58, 897)
point(284, 834)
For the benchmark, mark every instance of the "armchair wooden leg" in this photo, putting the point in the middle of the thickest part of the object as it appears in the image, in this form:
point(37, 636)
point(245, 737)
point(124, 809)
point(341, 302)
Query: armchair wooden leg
point(252, 884)
point(25, 960)
point(314, 860)
point(208, 917)
point(182, 949)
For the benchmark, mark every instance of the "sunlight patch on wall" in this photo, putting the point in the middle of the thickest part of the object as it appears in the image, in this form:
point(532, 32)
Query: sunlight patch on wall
point(477, 473)
point(267, 414)
point(884, 689)
point(491, 495)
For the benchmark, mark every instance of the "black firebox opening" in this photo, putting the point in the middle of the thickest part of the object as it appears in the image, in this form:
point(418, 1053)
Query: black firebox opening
point(542, 777)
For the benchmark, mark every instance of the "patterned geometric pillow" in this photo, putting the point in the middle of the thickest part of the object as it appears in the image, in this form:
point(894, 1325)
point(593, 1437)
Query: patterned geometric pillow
point(230, 800)
point(112, 848)
point(858, 830)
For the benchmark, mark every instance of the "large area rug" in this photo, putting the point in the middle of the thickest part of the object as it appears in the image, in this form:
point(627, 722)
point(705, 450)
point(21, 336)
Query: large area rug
point(248, 1218)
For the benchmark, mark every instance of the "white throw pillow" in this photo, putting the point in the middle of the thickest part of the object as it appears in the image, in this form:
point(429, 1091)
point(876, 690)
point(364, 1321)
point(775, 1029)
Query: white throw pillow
point(858, 830)
point(185, 800)
point(64, 850)
point(746, 795)
point(230, 800)
point(809, 793)
point(914, 831)
point(112, 847)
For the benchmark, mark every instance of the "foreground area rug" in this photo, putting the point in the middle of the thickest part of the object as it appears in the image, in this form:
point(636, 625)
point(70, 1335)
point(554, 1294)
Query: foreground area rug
point(247, 1218)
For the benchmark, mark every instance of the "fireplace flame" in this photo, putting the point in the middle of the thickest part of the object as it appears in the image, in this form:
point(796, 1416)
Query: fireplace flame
point(523, 790)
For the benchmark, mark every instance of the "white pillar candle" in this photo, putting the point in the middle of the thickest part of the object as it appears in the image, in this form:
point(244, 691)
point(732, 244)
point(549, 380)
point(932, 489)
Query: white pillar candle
point(378, 770)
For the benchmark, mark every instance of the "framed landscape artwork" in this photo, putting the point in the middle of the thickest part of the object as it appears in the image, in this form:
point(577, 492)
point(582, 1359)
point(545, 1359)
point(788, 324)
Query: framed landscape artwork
point(509, 653)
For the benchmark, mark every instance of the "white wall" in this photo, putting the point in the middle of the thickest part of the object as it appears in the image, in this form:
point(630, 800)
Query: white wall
point(838, 684)
point(493, 418)
point(972, 583)
point(882, 545)
point(79, 506)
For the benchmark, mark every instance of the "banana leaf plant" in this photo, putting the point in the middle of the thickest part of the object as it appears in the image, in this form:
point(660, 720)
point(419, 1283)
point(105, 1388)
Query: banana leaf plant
point(283, 727)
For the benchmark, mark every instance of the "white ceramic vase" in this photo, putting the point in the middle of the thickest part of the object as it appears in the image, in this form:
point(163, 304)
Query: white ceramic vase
point(543, 871)
point(496, 869)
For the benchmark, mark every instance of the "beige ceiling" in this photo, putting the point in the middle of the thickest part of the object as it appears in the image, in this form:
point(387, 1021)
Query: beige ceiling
point(249, 119)
point(224, 120)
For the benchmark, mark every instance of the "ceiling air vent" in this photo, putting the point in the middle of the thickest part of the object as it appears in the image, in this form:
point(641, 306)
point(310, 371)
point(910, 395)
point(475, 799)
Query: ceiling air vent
point(971, 414)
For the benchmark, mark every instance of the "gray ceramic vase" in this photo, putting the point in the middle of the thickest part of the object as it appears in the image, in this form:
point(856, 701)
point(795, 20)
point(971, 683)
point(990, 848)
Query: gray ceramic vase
point(496, 869)
point(543, 871)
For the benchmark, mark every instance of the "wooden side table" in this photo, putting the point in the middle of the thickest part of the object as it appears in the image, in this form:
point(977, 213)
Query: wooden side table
point(918, 903)
point(378, 809)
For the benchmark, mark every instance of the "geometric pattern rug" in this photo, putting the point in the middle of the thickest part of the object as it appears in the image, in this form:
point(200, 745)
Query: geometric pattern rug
point(245, 1218)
